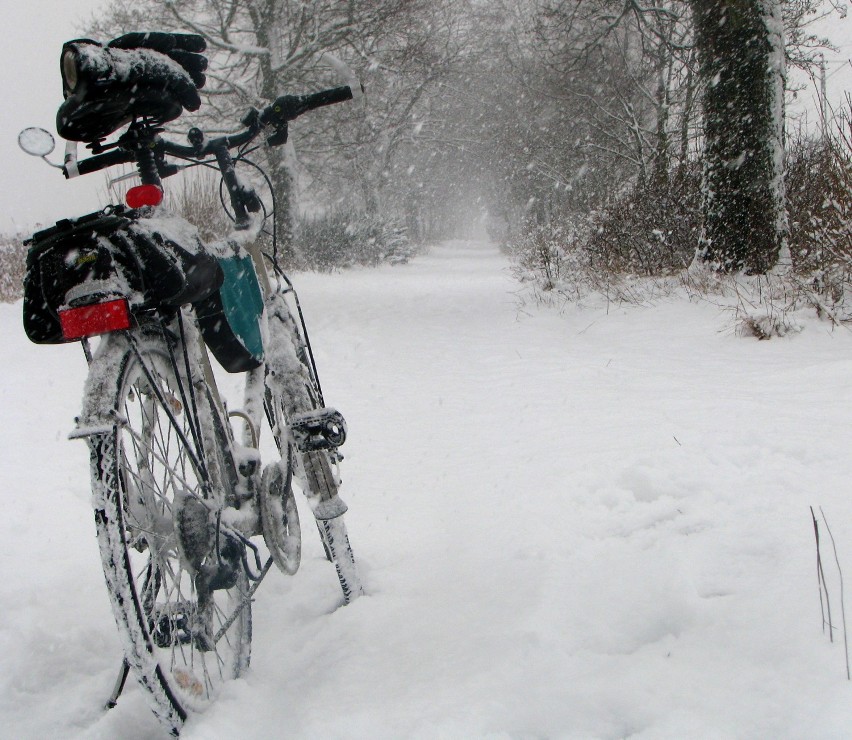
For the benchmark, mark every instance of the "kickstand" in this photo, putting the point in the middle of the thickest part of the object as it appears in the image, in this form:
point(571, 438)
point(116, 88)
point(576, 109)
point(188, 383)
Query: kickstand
point(119, 685)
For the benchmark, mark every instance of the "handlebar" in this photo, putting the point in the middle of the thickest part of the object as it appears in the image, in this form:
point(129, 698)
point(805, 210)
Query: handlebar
point(276, 116)
point(288, 107)
point(73, 168)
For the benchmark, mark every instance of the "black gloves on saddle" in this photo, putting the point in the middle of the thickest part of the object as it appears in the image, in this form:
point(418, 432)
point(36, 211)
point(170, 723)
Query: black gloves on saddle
point(155, 75)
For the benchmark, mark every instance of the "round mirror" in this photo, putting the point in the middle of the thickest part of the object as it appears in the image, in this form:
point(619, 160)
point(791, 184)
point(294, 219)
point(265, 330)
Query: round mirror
point(36, 141)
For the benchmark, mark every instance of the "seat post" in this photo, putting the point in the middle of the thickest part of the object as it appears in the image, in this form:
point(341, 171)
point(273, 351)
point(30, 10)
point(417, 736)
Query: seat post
point(141, 139)
point(146, 163)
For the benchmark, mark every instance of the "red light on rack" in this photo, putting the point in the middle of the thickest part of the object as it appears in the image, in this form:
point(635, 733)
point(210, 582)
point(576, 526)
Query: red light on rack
point(97, 318)
point(144, 195)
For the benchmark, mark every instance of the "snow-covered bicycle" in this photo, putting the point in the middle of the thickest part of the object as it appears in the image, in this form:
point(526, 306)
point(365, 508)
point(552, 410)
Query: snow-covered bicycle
point(189, 520)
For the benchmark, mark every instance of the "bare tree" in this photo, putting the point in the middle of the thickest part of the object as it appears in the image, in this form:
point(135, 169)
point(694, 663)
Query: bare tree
point(260, 49)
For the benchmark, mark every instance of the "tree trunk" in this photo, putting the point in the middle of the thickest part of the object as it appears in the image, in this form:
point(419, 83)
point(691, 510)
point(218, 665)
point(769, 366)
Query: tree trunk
point(282, 185)
point(264, 21)
point(742, 71)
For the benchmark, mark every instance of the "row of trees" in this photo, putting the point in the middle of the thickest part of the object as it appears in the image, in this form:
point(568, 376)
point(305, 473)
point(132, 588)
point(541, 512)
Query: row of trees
point(260, 49)
point(534, 112)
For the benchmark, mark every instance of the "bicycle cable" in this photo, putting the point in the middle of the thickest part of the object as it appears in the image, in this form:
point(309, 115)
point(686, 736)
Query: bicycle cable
point(277, 268)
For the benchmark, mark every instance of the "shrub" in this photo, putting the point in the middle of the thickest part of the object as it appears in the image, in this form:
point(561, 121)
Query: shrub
point(198, 201)
point(346, 238)
point(819, 193)
point(13, 255)
point(551, 257)
point(653, 229)
point(651, 232)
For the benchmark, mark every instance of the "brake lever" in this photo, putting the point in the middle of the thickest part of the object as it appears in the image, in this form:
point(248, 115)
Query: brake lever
point(282, 110)
point(279, 135)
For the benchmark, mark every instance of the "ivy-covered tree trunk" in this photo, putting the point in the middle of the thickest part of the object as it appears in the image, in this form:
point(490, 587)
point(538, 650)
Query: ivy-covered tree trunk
point(741, 62)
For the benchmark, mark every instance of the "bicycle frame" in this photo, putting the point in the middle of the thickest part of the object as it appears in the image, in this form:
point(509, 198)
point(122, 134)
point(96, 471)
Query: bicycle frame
point(176, 497)
point(147, 150)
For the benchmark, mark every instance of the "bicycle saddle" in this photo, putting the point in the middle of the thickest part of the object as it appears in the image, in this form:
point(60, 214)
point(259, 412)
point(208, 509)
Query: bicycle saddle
point(152, 75)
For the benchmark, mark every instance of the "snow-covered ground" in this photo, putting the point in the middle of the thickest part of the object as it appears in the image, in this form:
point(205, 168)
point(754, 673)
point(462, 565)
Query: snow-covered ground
point(592, 525)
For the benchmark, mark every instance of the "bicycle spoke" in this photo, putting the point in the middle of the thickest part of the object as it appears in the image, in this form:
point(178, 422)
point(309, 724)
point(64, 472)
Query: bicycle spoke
point(159, 462)
point(172, 474)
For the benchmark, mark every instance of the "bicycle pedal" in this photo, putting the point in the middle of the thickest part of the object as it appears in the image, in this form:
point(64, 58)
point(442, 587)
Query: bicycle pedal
point(320, 429)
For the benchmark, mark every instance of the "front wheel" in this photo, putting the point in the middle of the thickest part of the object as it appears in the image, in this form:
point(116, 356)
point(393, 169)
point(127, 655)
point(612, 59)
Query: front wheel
point(174, 572)
point(291, 392)
point(315, 475)
point(335, 540)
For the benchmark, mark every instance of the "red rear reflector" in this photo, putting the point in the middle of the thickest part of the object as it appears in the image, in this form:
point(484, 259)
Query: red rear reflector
point(98, 318)
point(144, 195)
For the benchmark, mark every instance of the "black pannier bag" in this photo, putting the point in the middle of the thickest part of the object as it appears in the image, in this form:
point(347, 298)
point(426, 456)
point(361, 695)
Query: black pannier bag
point(115, 253)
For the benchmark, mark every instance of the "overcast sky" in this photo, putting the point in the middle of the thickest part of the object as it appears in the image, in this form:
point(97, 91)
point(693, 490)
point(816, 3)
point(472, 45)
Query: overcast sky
point(30, 191)
point(33, 193)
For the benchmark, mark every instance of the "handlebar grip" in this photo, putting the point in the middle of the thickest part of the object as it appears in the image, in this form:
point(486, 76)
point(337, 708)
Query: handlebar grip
point(99, 162)
point(328, 97)
point(288, 107)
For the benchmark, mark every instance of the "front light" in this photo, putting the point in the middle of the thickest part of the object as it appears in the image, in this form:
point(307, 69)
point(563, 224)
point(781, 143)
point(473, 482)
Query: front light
point(69, 69)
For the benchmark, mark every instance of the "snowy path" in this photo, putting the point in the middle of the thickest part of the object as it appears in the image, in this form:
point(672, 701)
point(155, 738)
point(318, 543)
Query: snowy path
point(590, 525)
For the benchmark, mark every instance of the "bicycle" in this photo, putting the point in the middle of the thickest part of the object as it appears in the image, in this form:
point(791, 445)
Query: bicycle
point(183, 509)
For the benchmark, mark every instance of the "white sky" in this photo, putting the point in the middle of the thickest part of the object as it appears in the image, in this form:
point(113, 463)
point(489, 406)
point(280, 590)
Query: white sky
point(838, 65)
point(31, 193)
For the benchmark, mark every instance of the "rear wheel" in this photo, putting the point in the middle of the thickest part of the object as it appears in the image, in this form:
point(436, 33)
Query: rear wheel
point(174, 572)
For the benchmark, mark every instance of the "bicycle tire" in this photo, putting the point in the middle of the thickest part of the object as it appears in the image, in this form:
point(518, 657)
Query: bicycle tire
point(291, 388)
point(158, 483)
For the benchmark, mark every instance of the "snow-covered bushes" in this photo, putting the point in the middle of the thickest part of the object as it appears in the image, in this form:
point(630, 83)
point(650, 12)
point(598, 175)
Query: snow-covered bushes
point(653, 229)
point(13, 255)
point(644, 242)
point(198, 201)
point(322, 242)
point(346, 238)
point(648, 232)
point(819, 203)
point(549, 255)
point(819, 194)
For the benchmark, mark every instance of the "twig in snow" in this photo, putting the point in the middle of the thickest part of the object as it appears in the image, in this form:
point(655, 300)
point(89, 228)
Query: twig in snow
point(842, 607)
point(824, 601)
